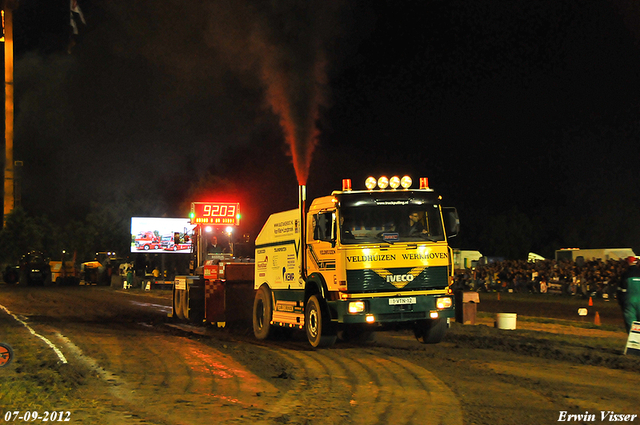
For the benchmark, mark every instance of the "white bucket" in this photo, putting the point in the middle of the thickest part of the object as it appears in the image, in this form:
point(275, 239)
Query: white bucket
point(506, 320)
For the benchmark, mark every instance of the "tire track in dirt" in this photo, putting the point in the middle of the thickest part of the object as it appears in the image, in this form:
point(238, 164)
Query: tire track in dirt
point(370, 389)
point(195, 381)
point(171, 379)
point(366, 401)
point(443, 405)
point(321, 382)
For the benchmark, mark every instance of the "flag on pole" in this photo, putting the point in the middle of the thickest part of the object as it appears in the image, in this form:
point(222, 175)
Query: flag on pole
point(75, 13)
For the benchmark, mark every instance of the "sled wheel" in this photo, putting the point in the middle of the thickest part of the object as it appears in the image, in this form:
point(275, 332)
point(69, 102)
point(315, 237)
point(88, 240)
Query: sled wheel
point(177, 303)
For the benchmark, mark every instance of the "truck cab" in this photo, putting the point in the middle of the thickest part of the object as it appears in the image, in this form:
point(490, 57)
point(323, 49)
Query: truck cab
point(147, 241)
point(370, 258)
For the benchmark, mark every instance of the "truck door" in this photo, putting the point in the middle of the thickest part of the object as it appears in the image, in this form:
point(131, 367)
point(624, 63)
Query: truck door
point(321, 255)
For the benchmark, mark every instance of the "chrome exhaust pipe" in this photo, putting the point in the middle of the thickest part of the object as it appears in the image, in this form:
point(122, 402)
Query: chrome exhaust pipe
point(302, 200)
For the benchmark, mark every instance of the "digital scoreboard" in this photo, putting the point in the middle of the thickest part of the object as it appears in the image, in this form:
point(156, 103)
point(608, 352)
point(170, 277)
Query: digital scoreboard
point(215, 213)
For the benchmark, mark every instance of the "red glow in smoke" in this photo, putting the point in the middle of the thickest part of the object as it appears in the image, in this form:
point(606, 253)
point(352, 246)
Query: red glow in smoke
point(297, 119)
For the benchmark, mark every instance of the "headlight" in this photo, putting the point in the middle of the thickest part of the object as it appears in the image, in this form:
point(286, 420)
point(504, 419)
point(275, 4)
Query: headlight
point(444, 302)
point(356, 307)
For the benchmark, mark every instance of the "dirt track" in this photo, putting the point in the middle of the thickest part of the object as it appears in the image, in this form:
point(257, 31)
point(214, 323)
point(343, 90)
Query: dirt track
point(143, 371)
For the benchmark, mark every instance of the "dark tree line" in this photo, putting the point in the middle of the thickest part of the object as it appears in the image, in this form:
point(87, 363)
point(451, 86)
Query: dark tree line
point(106, 227)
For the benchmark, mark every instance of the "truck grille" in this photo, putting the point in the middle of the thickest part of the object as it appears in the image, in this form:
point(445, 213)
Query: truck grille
point(382, 280)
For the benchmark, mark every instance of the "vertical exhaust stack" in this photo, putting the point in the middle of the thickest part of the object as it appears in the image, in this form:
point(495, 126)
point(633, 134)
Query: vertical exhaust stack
point(302, 199)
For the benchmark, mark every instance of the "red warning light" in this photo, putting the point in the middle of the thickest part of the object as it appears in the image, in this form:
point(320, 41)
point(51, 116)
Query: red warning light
point(346, 185)
point(424, 183)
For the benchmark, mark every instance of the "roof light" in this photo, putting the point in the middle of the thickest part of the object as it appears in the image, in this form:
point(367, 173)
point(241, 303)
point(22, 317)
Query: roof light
point(424, 183)
point(346, 185)
point(383, 182)
point(370, 183)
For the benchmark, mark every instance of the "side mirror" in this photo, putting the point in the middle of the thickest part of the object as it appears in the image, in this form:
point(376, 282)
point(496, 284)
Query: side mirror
point(451, 221)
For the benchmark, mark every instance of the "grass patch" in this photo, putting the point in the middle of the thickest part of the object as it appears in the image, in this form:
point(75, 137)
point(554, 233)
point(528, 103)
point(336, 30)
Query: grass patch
point(36, 379)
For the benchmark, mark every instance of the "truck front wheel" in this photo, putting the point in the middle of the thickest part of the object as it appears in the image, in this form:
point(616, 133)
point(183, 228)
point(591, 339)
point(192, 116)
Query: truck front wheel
point(430, 331)
point(262, 312)
point(317, 322)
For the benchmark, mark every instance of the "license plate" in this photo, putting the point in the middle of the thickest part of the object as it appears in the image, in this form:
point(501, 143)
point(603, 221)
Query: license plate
point(400, 301)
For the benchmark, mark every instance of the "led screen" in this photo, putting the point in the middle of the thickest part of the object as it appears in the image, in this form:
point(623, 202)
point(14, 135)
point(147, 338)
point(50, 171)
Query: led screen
point(161, 235)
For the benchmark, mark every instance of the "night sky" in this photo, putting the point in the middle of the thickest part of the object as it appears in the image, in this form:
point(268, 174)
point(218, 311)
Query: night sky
point(522, 114)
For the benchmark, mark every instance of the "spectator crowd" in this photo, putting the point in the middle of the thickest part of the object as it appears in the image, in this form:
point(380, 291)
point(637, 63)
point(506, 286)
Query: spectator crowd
point(593, 278)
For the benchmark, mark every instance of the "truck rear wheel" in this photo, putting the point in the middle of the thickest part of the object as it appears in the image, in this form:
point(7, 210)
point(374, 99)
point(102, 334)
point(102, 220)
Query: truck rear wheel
point(262, 312)
point(177, 302)
point(320, 331)
point(430, 331)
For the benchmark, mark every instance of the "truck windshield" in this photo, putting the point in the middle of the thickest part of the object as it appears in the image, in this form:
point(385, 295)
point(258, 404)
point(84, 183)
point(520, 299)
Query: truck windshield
point(371, 224)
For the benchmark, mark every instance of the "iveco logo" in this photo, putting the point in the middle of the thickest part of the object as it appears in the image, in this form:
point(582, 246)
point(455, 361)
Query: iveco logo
point(400, 278)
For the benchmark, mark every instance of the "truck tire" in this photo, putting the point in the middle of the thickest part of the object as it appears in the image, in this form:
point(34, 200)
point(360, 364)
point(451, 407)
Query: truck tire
point(320, 331)
point(262, 313)
point(177, 303)
point(430, 331)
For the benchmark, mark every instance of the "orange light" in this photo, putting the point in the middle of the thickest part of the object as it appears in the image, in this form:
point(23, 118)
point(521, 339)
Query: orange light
point(424, 183)
point(346, 185)
point(383, 182)
point(406, 182)
point(370, 319)
point(394, 182)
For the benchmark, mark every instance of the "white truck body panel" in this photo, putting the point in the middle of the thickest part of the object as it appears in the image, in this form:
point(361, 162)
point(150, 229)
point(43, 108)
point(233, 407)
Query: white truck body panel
point(278, 260)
